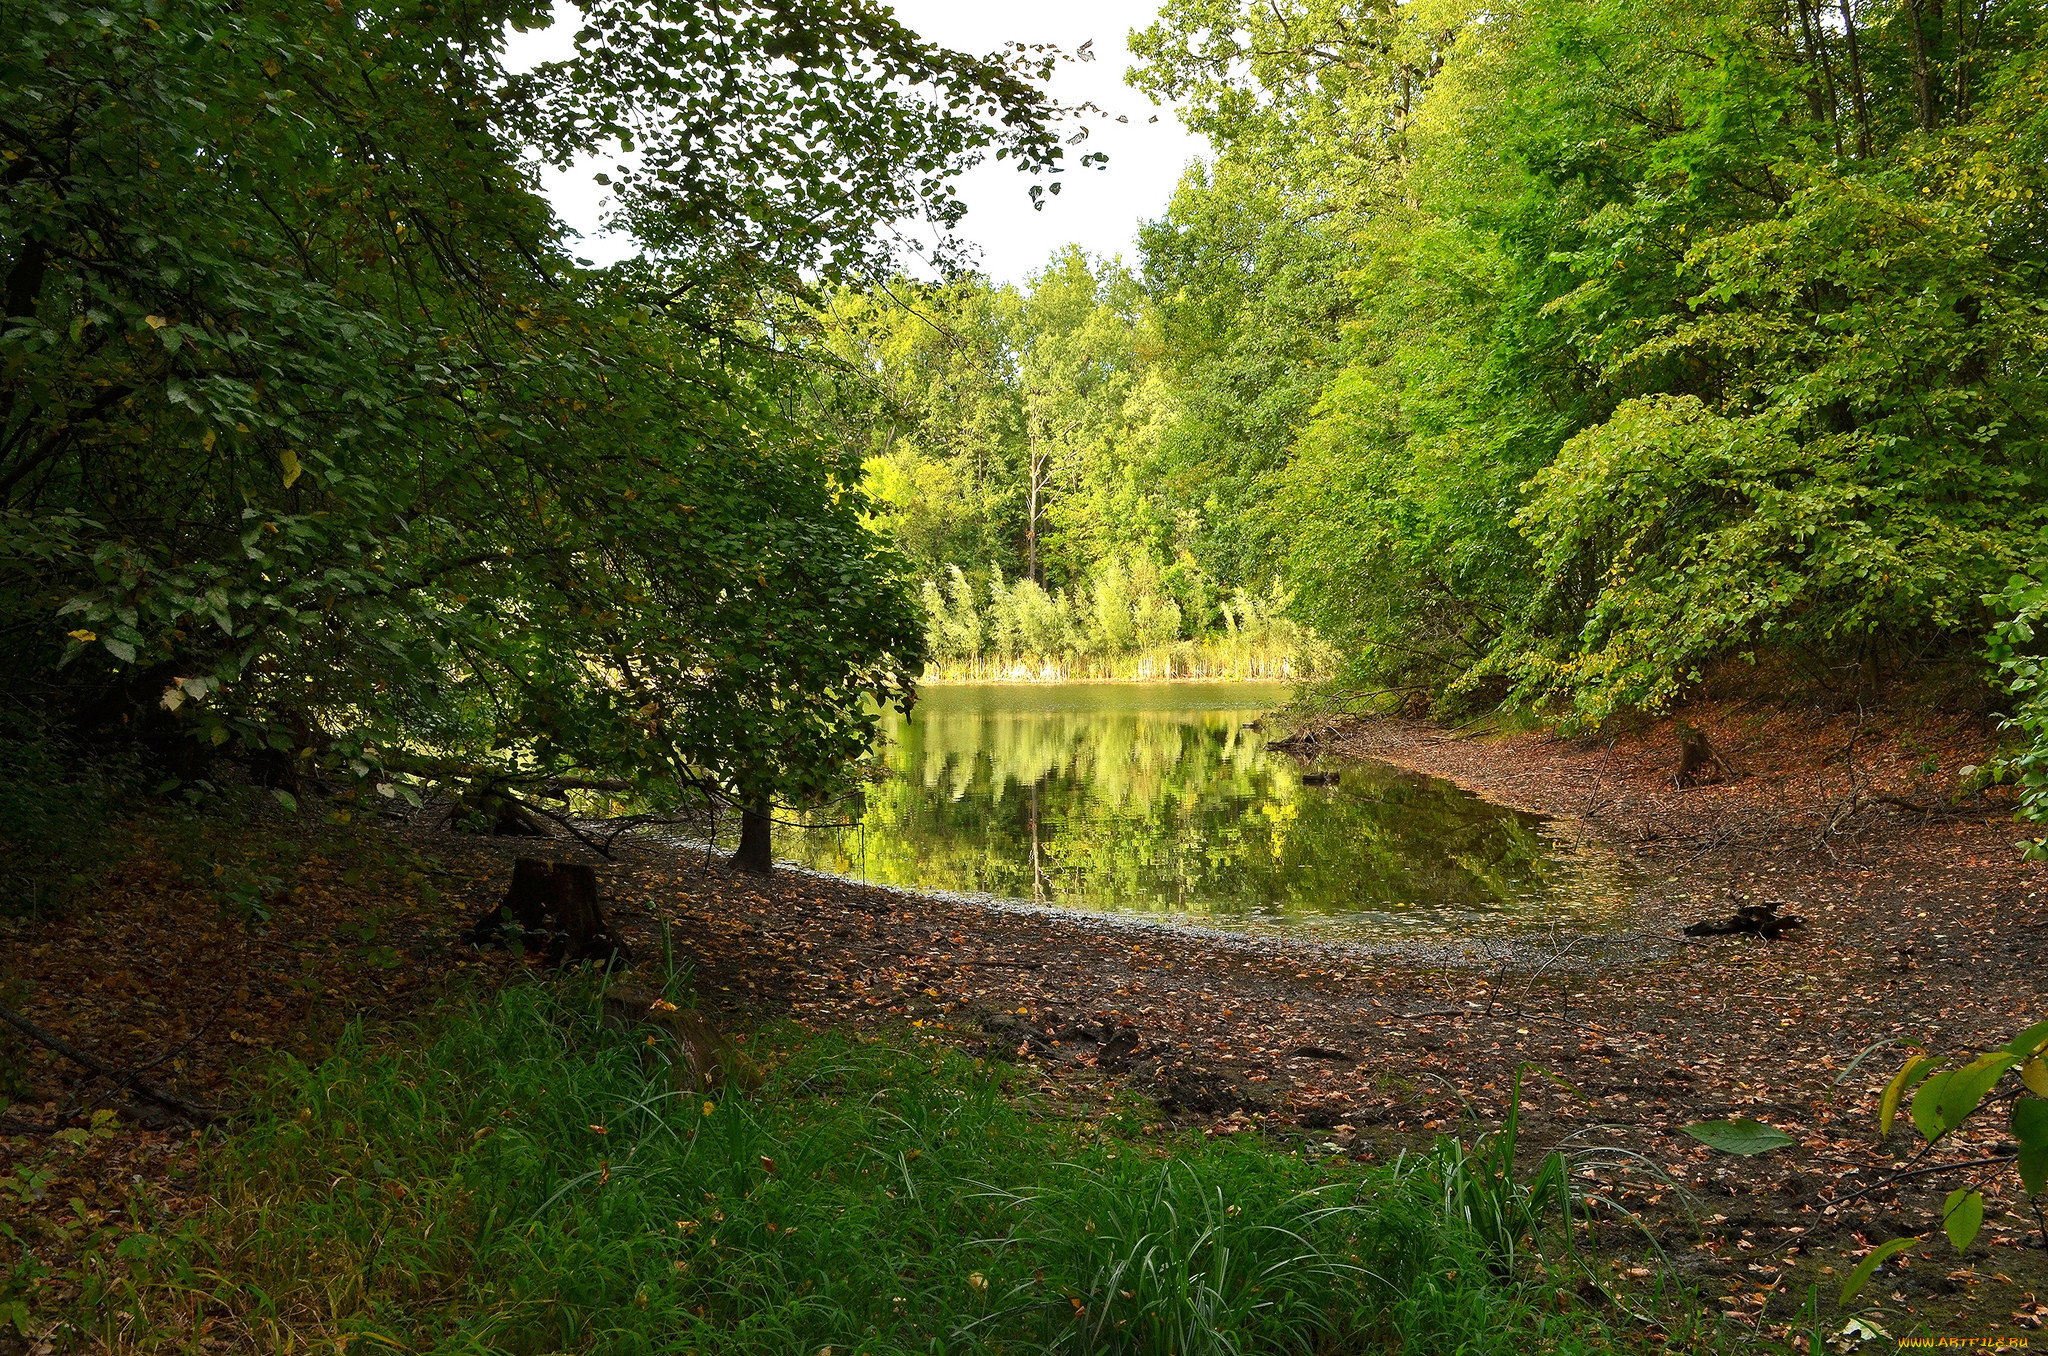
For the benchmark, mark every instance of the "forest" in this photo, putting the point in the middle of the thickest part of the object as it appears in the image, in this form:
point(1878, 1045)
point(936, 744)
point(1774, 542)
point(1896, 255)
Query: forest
point(1553, 357)
point(1525, 390)
point(1556, 356)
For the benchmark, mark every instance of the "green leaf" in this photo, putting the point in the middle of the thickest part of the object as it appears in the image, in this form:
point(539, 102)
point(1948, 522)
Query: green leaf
point(2034, 1073)
point(1927, 1106)
point(120, 649)
point(1865, 1269)
point(2030, 1123)
point(1967, 1086)
point(1915, 1069)
point(135, 1247)
point(288, 800)
point(2030, 1042)
point(1742, 1136)
point(1963, 1216)
point(2033, 1166)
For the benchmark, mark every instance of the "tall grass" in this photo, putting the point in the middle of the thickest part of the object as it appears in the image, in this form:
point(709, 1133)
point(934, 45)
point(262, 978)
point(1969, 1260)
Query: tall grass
point(521, 1183)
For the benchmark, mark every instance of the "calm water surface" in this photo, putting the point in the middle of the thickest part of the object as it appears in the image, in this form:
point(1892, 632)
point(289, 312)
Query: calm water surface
point(1159, 800)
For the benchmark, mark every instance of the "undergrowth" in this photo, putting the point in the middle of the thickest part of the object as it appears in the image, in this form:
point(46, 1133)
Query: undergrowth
point(57, 804)
point(518, 1180)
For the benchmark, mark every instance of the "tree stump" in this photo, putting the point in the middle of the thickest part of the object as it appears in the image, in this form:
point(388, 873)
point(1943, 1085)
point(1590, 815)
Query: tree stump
point(703, 1060)
point(559, 898)
point(1697, 757)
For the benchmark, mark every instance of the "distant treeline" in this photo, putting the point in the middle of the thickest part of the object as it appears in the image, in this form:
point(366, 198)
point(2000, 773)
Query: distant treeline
point(1017, 460)
point(1126, 623)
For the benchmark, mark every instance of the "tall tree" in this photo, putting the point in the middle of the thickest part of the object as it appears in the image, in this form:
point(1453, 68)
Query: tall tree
point(316, 443)
point(1640, 374)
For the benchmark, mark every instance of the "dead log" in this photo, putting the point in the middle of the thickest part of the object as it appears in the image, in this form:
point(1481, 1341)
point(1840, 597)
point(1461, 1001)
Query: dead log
point(507, 815)
point(1322, 1052)
point(558, 900)
point(1760, 919)
point(1698, 760)
point(514, 822)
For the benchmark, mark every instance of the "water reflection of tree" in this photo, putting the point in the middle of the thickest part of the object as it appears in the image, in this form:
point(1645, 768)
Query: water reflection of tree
point(1172, 811)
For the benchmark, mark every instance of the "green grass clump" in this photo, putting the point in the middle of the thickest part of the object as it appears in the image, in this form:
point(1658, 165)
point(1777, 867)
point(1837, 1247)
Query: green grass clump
point(521, 1183)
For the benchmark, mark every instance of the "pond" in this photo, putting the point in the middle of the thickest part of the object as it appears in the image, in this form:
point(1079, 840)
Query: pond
point(1163, 800)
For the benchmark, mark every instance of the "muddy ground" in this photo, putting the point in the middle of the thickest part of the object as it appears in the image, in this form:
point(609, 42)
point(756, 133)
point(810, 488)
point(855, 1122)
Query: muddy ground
point(1922, 922)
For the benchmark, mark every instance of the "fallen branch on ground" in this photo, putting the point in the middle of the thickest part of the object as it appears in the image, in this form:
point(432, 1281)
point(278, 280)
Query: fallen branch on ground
point(193, 1111)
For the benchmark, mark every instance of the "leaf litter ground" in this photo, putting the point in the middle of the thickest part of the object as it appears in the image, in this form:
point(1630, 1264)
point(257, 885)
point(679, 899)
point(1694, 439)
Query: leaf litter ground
point(1922, 924)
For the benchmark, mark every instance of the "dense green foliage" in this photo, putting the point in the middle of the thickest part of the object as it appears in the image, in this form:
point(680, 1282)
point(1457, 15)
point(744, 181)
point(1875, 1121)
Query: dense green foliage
point(321, 446)
point(1016, 459)
point(1556, 353)
point(1562, 351)
point(521, 1183)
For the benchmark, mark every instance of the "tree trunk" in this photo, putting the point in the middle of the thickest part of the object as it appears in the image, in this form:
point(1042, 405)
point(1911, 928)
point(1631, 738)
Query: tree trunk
point(1918, 15)
point(556, 897)
point(756, 850)
point(1031, 521)
point(1826, 99)
point(25, 279)
point(1856, 90)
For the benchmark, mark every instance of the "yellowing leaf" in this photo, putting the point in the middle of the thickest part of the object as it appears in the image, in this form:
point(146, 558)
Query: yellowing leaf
point(155, 322)
point(1916, 1068)
point(84, 637)
point(289, 460)
point(2034, 1073)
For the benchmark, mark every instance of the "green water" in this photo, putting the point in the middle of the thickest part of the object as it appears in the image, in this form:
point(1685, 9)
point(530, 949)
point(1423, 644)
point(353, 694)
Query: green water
point(1159, 800)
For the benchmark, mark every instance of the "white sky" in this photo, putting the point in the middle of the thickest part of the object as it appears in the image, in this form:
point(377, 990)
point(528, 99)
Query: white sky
point(1099, 209)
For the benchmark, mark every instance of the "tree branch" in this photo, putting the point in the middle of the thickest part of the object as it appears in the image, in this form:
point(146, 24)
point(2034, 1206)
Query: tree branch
point(193, 1111)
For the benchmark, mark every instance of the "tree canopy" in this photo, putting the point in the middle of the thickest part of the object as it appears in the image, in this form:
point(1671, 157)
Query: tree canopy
point(1565, 354)
point(1558, 354)
point(1563, 351)
point(320, 444)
